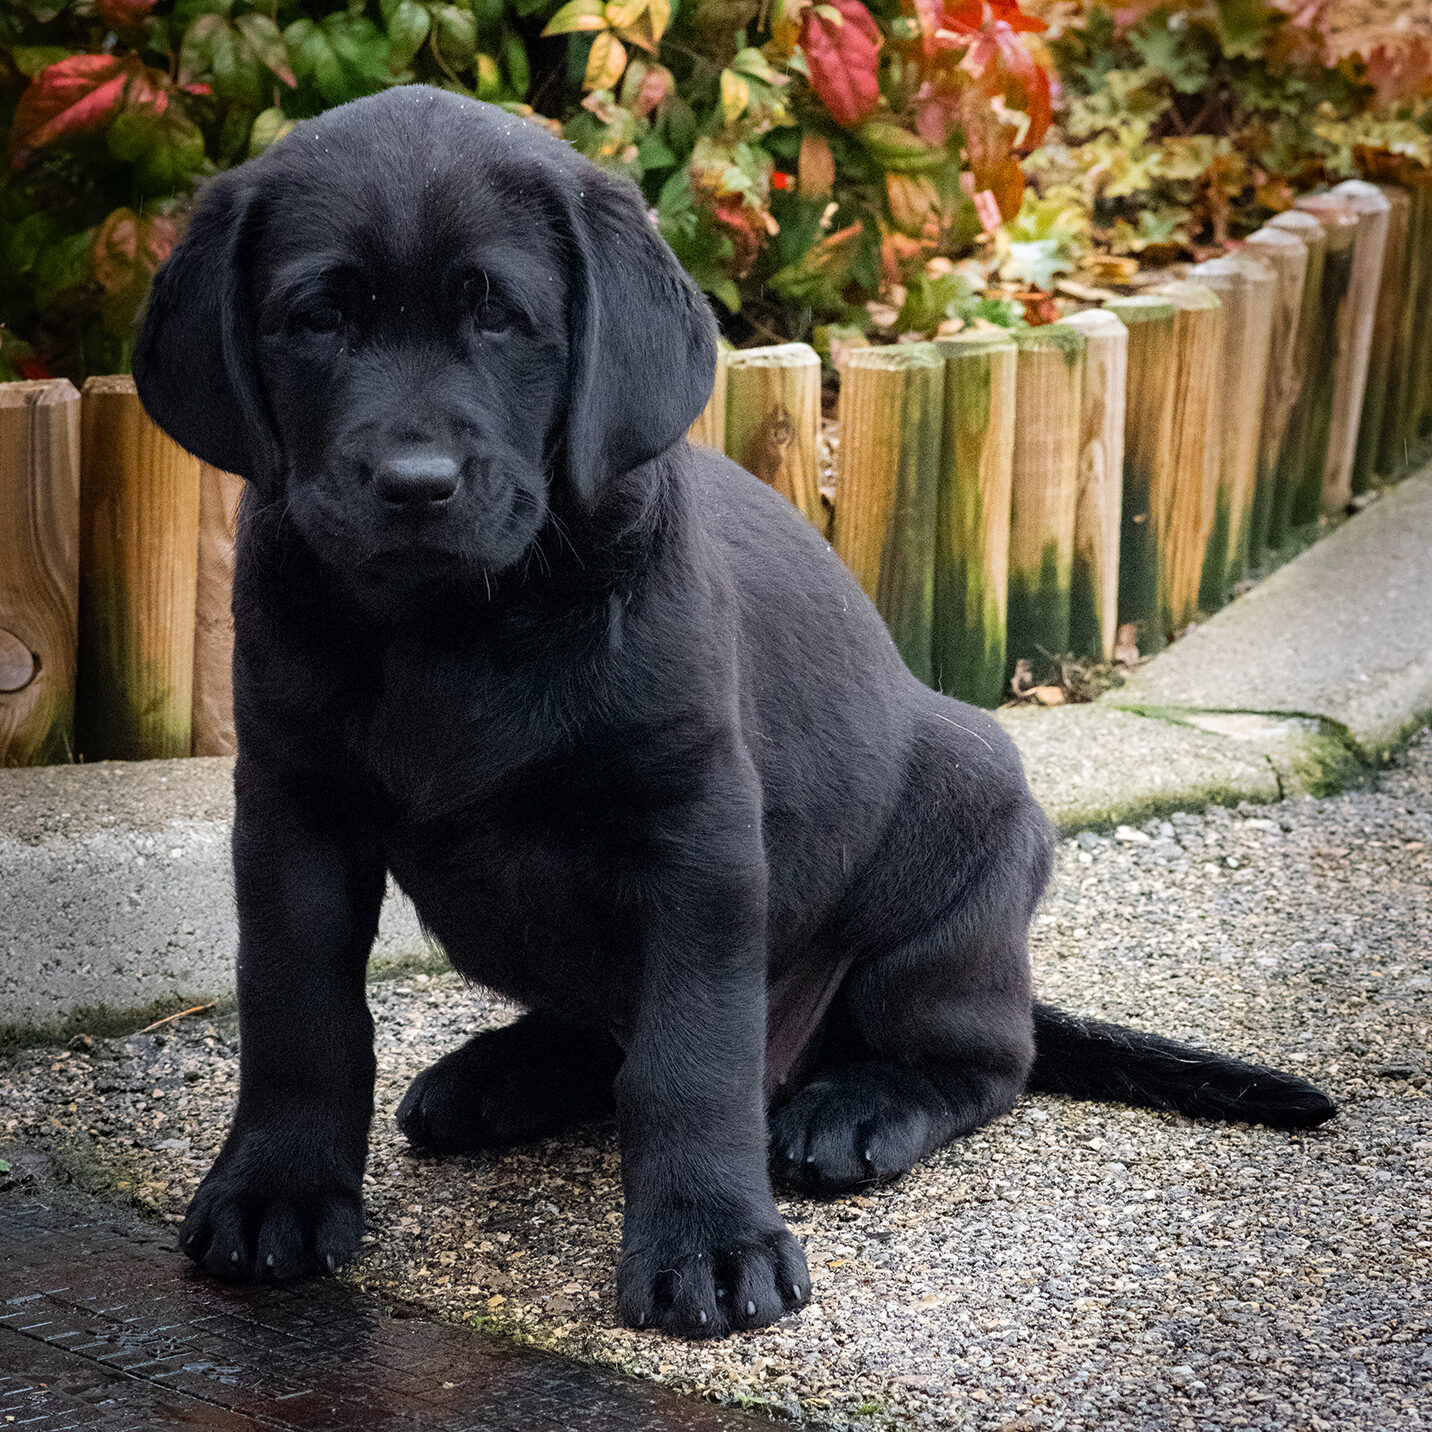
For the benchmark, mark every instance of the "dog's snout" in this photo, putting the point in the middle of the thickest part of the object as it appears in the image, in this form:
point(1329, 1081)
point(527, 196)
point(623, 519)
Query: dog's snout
point(416, 479)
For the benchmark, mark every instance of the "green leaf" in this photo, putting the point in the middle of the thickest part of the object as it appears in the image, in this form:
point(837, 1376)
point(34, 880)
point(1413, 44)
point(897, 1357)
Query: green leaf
point(269, 128)
point(265, 43)
point(63, 265)
point(456, 32)
point(1036, 262)
point(577, 15)
point(4, 1166)
point(167, 150)
point(408, 25)
point(514, 60)
point(754, 63)
point(1171, 53)
point(895, 148)
point(31, 59)
point(654, 154)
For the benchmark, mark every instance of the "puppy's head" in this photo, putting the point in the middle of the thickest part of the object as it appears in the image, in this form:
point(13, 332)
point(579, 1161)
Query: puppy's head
point(419, 322)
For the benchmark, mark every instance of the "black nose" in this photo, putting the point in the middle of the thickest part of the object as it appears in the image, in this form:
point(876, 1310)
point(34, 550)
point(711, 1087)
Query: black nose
point(415, 479)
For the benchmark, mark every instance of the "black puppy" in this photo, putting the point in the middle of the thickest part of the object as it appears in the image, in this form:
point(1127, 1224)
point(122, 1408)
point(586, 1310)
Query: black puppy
point(608, 709)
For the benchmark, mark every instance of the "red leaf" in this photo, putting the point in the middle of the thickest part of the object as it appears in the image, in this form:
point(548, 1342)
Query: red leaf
point(80, 95)
point(843, 59)
point(31, 368)
point(119, 13)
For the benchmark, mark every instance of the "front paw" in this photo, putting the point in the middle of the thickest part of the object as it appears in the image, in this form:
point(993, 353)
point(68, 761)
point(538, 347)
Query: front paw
point(699, 1282)
point(271, 1208)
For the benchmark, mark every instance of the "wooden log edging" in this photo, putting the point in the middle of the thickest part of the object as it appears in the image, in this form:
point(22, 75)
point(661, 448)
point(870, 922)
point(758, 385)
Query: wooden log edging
point(1412, 354)
point(39, 570)
point(1367, 212)
point(709, 430)
point(1246, 288)
point(1186, 521)
point(1094, 579)
point(891, 427)
point(212, 726)
point(139, 520)
point(1049, 377)
point(972, 532)
point(1378, 411)
point(1148, 465)
point(1287, 255)
point(1306, 427)
point(773, 419)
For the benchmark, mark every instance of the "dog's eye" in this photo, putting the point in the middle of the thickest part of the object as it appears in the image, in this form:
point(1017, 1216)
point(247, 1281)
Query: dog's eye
point(320, 318)
point(494, 317)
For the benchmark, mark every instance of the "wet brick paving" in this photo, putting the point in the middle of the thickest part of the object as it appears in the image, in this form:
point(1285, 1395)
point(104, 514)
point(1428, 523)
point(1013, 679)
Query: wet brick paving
point(103, 1326)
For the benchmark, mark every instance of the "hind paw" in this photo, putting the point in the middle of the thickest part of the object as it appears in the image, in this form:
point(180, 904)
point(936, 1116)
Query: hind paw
point(855, 1127)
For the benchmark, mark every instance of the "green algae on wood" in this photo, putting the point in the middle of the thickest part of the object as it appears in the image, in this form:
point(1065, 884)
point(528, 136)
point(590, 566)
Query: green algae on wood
point(972, 532)
point(1378, 411)
point(1293, 462)
point(1148, 417)
point(139, 552)
point(1246, 288)
point(1049, 379)
point(891, 430)
point(1287, 255)
point(1332, 358)
point(1094, 578)
point(1185, 517)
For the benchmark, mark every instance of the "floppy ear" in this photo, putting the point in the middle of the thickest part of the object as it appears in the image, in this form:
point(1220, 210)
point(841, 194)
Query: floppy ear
point(194, 361)
point(642, 336)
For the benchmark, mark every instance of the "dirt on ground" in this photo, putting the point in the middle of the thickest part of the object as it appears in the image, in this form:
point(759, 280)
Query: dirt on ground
point(1072, 1266)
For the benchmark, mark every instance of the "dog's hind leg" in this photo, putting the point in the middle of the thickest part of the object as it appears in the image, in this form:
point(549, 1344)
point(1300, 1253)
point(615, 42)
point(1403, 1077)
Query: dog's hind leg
point(508, 1086)
point(932, 1035)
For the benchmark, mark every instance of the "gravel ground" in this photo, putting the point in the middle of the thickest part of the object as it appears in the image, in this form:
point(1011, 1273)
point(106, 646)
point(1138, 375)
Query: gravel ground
point(1073, 1266)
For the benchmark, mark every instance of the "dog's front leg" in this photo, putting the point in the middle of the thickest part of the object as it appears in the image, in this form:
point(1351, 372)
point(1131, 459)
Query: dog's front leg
point(285, 1195)
point(704, 1250)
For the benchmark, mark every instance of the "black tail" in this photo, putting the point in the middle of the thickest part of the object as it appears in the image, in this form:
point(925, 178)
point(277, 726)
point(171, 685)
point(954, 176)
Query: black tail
point(1087, 1059)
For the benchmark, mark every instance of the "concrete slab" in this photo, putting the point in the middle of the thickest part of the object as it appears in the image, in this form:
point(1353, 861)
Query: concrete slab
point(1342, 633)
point(1093, 767)
point(116, 898)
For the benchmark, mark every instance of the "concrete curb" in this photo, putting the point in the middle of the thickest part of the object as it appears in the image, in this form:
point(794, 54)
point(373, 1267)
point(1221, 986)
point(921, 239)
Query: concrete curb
point(1299, 647)
point(116, 898)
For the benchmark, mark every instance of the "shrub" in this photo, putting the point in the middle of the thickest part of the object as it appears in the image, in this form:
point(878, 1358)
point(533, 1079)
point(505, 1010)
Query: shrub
point(802, 158)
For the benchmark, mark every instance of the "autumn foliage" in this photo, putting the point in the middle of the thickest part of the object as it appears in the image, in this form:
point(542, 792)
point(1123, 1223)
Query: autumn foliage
point(813, 162)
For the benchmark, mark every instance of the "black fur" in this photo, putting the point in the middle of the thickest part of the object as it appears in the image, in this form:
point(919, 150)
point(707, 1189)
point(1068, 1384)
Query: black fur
point(610, 712)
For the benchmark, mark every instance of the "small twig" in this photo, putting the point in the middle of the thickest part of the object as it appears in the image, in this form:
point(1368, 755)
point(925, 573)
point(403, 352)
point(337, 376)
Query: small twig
point(169, 1018)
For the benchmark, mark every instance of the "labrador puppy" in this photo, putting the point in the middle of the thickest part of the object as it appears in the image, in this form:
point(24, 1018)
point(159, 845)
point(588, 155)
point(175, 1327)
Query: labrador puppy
point(610, 712)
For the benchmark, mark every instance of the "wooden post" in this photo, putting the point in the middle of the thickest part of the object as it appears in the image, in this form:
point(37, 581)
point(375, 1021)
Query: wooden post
point(1185, 523)
point(212, 732)
point(891, 425)
point(1414, 333)
point(1392, 298)
point(1094, 581)
point(139, 547)
point(1049, 380)
point(1330, 354)
point(1413, 404)
point(1148, 469)
point(773, 419)
point(1306, 425)
point(1246, 288)
point(39, 570)
point(1287, 255)
point(709, 430)
point(972, 530)
point(1369, 212)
